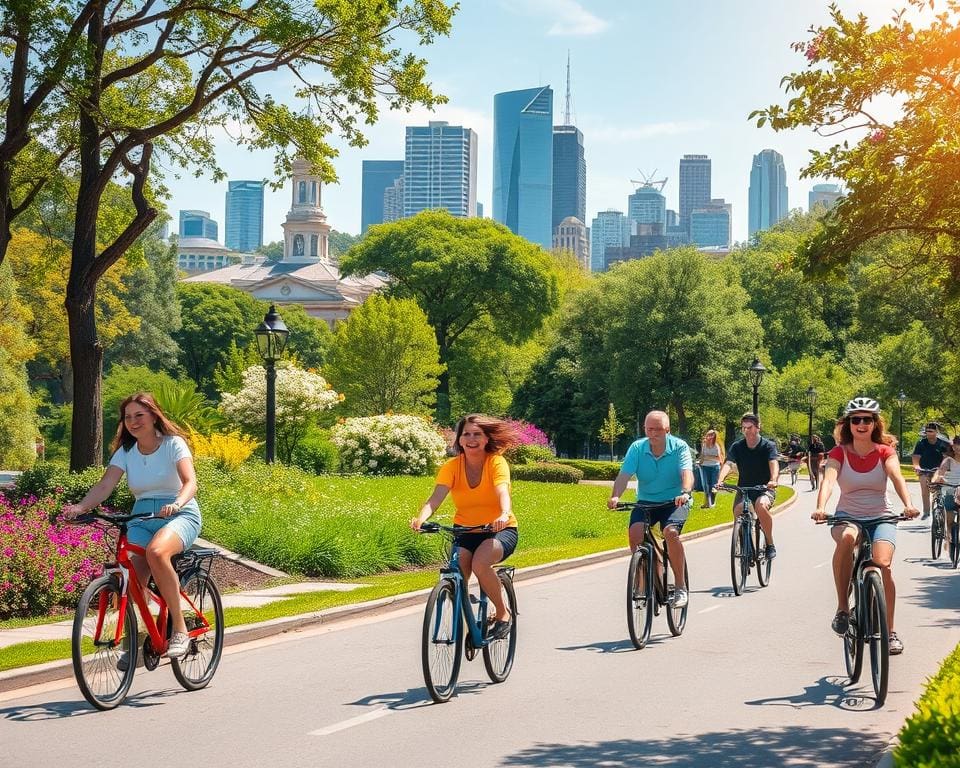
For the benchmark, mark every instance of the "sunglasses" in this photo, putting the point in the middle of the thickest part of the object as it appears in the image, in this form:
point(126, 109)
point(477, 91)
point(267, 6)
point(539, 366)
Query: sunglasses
point(861, 419)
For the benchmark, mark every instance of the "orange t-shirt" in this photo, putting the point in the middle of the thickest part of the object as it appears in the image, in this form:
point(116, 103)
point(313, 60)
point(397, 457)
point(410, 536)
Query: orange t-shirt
point(480, 505)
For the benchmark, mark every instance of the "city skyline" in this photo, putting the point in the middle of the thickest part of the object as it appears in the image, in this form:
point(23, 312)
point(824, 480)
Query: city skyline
point(735, 54)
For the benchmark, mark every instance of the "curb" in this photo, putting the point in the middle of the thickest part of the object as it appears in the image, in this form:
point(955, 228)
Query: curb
point(23, 677)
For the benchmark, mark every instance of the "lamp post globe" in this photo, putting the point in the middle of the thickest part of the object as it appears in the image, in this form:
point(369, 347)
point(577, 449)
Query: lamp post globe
point(271, 336)
point(756, 371)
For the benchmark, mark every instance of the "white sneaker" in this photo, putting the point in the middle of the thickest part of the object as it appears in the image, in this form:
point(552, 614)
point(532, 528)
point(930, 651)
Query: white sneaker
point(178, 646)
point(680, 599)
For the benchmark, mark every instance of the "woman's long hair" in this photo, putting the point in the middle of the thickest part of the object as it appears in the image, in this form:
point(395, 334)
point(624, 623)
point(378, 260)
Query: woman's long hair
point(161, 423)
point(501, 435)
point(843, 435)
point(713, 433)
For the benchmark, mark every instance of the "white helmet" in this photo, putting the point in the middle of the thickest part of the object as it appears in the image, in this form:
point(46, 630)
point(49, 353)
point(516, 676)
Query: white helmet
point(862, 404)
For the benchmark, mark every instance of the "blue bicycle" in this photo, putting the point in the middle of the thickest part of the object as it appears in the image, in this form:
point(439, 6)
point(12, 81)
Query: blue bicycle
point(748, 542)
point(449, 612)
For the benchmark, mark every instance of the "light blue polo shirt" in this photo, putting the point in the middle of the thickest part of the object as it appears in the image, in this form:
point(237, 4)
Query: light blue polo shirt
point(658, 479)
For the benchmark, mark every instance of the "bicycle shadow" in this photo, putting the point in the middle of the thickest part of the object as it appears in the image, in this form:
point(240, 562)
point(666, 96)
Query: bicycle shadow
point(57, 710)
point(415, 698)
point(829, 691)
point(606, 646)
point(719, 591)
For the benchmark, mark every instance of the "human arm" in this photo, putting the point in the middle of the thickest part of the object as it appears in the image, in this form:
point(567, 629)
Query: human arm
point(96, 495)
point(941, 471)
point(430, 506)
point(774, 474)
point(725, 469)
point(686, 484)
point(506, 506)
point(892, 467)
point(826, 489)
point(915, 458)
point(619, 486)
point(188, 487)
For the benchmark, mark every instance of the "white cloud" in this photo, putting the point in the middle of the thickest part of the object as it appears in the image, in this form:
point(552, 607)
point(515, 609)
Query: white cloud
point(566, 17)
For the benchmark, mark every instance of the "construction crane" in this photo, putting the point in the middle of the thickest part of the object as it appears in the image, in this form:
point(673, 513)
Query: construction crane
point(650, 180)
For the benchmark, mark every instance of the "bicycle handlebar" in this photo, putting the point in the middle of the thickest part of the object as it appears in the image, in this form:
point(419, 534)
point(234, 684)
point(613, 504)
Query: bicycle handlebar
point(834, 520)
point(920, 471)
point(742, 488)
point(93, 514)
point(454, 529)
point(624, 506)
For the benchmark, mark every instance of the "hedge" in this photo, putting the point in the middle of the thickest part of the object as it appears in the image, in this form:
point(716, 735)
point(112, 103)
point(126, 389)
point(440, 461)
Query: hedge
point(931, 736)
point(546, 472)
point(594, 470)
point(51, 479)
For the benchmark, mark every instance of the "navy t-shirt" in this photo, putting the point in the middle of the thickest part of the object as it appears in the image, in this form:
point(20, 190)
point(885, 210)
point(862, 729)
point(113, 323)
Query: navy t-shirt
point(931, 454)
point(753, 464)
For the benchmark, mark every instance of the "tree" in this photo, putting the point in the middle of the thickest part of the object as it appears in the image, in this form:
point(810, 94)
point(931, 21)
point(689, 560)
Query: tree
point(310, 338)
point(385, 358)
point(108, 82)
point(462, 273)
point(900, 173)
point(341, 242)
point(611, 429)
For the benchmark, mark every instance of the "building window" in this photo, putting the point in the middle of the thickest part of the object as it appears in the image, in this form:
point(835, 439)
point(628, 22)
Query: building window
point(314, 241)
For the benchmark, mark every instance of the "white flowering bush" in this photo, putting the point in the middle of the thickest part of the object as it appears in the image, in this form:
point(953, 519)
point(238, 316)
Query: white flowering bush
point(301, 396)
point(388, 445)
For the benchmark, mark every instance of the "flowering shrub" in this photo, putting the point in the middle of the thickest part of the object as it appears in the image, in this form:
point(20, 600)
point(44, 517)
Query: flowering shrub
point(530, 434)
point(534, 444)
point(229, 450)
point(388, 445)
point(43, 565)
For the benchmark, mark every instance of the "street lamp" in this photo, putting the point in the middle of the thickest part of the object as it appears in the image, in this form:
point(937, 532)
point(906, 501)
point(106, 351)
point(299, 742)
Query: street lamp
point(271, 337)
point(901, 399)
point(812, 402)
point(756, 376)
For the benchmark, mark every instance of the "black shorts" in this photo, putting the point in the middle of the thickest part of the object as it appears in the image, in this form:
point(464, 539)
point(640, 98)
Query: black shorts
point(508, 538)
point(754, 495)
point(667, 514)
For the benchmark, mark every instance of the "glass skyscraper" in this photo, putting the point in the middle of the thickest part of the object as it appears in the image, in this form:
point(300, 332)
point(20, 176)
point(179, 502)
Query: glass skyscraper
point(711, 225)
point(824, 194)
point(440, 169)
point(768, 191)
point(694, 186)
point(244, 224)
point(198, 224)
point(609, 229)
point(377, 177)
point(647, 206)
point(569, 175)
point(523, 163)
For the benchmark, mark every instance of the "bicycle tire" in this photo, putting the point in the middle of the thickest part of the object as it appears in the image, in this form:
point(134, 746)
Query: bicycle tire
point(640, 598)
point(677, 617)
point(738, 568)
point(195, 670)
point(876, 611)
point(937, 526)
point(853, 638)
point(498, 654)
point(96, 661)
point(764, 566)
point(442, 642)
point(955, 539)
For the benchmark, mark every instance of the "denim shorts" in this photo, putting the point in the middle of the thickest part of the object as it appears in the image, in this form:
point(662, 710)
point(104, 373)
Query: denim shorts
point(185, 523)
point(508, 539)
point(877, 531)
point(667, 514)
point(949, 502)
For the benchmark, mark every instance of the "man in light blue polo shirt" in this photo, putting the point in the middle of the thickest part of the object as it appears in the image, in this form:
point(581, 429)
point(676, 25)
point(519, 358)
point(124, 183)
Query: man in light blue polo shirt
point(664, 471)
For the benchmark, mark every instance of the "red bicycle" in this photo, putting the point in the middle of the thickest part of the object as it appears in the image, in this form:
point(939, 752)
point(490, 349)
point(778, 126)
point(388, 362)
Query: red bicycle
point(104, 642)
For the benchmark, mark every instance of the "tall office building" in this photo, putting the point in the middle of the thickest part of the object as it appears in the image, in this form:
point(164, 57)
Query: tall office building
point(609, 229)
point(569, 174)
point(824, 194)
point(393, 201)
point(694, 185)
point(244, 219)
point(523, 163)
point(440, 169)
point(768, 191)
point(647, 205)
point(198, 224)
point(377, 177)
point(711, 225)
point(572, 235)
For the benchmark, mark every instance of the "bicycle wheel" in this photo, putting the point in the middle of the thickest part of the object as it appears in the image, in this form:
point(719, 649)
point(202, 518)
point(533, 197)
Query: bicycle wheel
point(442, 642)
point(853, 639)
point(877, 634)
point(203, 613)
point(955, 539)
point(764, 566)
point(677, 617)
point(96, 647)
point(498, 654)
point(937, 525)
point(640, 598)
point(739, 568)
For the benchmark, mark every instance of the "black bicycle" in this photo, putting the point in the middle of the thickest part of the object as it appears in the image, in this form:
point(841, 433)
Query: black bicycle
point(938, 517)
point(748, 542)
point(953, 535)
point(651, 584)
point(867, 623)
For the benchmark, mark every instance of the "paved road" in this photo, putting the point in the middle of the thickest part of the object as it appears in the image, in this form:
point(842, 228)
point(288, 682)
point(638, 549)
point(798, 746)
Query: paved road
point(755, 681)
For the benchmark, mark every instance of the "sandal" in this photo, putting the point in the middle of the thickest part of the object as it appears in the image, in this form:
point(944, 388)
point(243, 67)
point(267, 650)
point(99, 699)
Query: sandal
point(500, 630)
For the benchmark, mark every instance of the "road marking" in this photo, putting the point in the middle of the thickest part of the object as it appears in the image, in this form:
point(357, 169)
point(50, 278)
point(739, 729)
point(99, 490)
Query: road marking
point(358, 720)
point(711, 608)
point(825, 562)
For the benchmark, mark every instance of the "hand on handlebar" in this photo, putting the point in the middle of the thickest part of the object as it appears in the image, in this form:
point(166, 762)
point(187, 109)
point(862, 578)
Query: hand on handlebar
point(72, 511)
point(500, 523)
point(910, 513)
point(818, 516)
point(612, 502)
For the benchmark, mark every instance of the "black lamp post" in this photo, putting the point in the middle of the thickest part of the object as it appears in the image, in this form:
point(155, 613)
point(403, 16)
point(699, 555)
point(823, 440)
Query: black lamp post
point(901, 399)
point(271, 337)
point(756, 376)
point(812, 402)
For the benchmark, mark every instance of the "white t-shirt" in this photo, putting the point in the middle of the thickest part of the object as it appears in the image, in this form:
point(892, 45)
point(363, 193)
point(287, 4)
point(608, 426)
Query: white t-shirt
point(153, 476)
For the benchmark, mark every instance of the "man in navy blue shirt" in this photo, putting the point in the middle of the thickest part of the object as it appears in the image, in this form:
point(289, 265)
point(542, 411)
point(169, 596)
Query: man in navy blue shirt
point(928, 454)
point(664, 472)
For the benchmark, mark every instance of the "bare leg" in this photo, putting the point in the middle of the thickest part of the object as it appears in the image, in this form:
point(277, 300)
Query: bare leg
point(675, 550)
point(846, 538)
point(883, 556)
point(762, 506)
point(163, 546)
point(487, 555)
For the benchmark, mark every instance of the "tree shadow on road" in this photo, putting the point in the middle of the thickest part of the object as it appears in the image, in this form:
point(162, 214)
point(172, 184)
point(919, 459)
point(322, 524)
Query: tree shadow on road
point(55, 710)
point(939, 592)
point(724, 749)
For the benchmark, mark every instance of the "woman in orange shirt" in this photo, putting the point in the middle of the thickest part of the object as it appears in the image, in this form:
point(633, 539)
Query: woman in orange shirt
point(478, 479)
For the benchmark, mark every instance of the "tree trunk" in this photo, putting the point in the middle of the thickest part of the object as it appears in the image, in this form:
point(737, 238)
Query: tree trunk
point(443, 382)
point(681, 416)
point(86, 352)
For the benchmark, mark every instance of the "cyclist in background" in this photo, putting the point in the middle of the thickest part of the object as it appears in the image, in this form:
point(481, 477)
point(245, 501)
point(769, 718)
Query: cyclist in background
point(664, 472)
point(755, 458)
point(929, 453)
point(815, 454)
point(795, 454)
point(861, 463)
point(949, 473)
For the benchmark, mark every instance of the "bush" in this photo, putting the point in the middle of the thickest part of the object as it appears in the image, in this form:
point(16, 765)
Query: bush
point(529, 454)
point(930, 736)
point(316, 454)
point(43, 565)
point(388, 445)
point(229, 450)
point(545, 472)
point(593, 470)
point(48, 479)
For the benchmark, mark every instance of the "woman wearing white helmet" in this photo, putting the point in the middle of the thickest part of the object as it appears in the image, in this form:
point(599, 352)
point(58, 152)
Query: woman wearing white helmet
point(861, 464)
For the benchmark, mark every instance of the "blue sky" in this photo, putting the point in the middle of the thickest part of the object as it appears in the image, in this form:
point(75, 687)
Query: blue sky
point(650, 82)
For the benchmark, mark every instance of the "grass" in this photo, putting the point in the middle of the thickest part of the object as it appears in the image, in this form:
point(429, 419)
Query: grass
point(557, 522)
